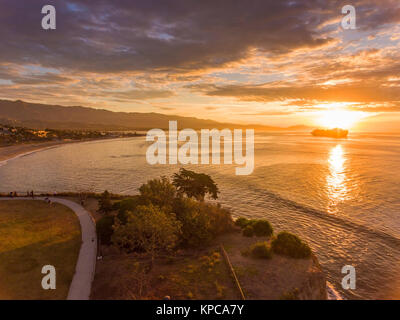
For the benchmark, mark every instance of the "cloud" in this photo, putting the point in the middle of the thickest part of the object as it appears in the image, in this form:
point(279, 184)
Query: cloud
point(343, 93)
point(290, 53)
point(378, 109)
point(115, 36)
point(47, 78)
point(269, 113)
point(165, 108)
point(139, 94)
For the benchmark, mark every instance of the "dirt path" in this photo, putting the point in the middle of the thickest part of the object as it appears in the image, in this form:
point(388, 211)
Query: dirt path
point(81, 284)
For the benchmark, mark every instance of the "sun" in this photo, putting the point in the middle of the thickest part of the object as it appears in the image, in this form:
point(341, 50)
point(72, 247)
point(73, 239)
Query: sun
point(339, 118)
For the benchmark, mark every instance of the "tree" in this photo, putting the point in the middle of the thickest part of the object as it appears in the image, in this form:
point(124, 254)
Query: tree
point(159, 192)
point(195, 185)
point(105, 204)
point(196, 224)
point(147, 229)
point(201, 221)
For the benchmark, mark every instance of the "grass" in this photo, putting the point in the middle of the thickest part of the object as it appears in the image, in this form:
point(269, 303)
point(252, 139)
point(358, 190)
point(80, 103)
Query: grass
point(34, 234)
point(194, 275)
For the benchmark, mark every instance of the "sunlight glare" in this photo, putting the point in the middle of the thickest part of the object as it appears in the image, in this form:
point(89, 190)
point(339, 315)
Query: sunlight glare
point(343, 119)
point(336, 180)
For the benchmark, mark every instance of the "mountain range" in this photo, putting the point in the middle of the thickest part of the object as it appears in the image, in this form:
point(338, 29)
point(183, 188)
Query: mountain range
point(41, 116)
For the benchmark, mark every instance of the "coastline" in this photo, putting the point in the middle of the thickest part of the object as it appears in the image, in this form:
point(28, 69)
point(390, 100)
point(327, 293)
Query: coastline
point(13, 152)
point(19, 150)
point(16, 151)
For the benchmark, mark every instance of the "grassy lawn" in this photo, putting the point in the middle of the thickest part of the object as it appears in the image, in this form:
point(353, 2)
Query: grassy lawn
point(34, 234)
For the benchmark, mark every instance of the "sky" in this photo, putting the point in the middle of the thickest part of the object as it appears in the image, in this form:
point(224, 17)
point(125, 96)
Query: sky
point(279, 63)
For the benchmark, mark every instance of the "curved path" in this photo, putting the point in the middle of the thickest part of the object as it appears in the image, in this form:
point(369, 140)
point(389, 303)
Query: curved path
point(85, 267)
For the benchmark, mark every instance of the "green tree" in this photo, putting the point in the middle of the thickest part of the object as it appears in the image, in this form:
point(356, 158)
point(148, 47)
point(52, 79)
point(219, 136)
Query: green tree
point(105, 204)
point(196, 224)
point(104, 229)
point(195, 185)
point(159, 192)
point(201, 221)
point(147, 229)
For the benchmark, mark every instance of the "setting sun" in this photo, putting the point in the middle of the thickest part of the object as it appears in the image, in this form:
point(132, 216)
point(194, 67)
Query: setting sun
point(343, 119)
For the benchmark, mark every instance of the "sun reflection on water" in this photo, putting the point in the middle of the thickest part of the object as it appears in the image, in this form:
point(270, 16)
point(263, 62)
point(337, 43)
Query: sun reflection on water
point(336, 179)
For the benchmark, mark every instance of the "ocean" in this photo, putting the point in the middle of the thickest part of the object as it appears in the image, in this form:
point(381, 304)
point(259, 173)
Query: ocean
point(341, 196)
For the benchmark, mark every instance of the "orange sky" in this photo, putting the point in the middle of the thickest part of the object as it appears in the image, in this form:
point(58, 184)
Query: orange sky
point(263, 62)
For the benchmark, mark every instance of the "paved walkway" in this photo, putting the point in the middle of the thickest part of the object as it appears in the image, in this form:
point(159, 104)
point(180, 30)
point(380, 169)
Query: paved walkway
point(86, 265)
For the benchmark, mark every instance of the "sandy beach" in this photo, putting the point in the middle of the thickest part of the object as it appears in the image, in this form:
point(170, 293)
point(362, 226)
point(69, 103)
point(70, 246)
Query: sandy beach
point(13, 151)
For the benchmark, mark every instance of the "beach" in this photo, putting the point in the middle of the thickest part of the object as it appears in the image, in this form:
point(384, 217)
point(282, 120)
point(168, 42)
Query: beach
point(17, 150)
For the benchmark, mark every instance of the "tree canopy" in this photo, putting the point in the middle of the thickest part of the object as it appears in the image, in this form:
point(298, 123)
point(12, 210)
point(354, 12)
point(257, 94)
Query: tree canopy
point(195, 185)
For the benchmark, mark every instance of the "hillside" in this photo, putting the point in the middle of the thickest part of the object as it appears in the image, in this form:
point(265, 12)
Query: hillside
point(40, 116)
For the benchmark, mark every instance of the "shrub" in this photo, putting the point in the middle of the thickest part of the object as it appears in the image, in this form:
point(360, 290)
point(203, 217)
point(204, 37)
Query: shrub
point(248, 231)
point(261, 250)
point(104, 229)
point(241, 222)
point(262, 228)
point(290, 245)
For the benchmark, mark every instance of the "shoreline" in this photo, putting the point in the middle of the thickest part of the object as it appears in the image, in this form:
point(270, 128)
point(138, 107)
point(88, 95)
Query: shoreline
point(16, 151)
point(19, 150)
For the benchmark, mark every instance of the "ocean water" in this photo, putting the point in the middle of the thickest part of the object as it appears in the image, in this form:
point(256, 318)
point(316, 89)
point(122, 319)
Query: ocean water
point(341, 196)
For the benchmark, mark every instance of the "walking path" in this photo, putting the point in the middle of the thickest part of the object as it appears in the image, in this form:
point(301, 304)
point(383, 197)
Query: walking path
point(86, 265)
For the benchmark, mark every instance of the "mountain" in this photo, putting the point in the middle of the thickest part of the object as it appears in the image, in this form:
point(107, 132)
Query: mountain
point(40, 116)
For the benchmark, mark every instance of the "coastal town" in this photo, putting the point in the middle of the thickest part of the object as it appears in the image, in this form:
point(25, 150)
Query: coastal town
point(10, 135)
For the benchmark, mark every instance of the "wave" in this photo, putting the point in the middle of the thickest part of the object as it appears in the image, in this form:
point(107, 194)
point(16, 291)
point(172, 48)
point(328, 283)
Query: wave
point(352, 226)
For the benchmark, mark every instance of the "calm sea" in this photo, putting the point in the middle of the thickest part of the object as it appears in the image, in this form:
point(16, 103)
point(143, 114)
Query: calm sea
point(341, 196)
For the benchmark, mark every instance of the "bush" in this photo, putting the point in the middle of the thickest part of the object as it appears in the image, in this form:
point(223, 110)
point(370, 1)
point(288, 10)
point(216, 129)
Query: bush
point(262, 228)
point(241, 222)
point(290, 245)
point(261, 250)
point(257, 227)
point(248, 231)
point(104, 229)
